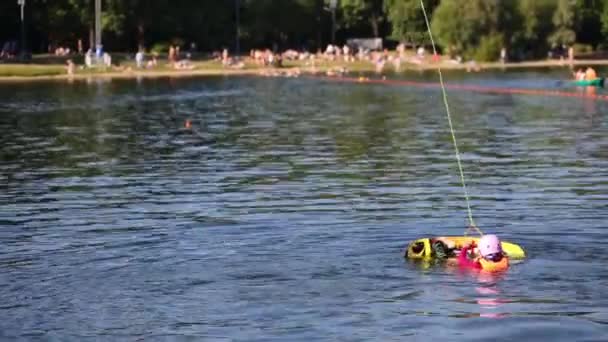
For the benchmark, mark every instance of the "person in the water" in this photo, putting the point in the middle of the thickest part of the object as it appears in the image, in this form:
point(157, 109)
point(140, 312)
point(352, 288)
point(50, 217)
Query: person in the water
point(487, 255)
point(579, 75)
point(442, 248)
point(590, 74)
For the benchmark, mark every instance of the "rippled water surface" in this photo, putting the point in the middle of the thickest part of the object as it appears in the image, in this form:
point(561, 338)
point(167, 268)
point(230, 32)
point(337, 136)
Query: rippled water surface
point(278, 209)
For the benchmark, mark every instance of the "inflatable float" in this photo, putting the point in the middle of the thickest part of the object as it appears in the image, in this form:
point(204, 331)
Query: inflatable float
point(429, 248)
point(598, 82)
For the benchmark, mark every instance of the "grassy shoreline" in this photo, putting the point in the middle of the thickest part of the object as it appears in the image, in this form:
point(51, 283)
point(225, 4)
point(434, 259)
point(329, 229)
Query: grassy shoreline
point(55, 71)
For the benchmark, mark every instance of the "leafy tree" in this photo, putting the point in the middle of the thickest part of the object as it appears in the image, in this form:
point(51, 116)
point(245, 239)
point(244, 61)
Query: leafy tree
point(360, 11)
point(84, 14)
point(604, 18)
point(54, 22)
point(564, 21)
point(407, 19)
point(588, 24)
point(534, 13)
point(9, 22)
point(458, 26)
point(280, 22)
point(474, 28)
point(533, 27)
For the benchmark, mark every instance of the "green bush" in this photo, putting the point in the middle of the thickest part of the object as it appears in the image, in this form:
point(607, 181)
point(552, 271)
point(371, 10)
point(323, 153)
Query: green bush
point(162, 47)
point(178, 42)
point(582, 48)
point(489, 48)
point(602, 47)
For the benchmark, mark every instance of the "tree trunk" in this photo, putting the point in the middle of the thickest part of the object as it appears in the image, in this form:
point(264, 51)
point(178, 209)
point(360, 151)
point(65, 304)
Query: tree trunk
point(92, 37)
point(141, 29)
point(319, 24)
point(374, 22)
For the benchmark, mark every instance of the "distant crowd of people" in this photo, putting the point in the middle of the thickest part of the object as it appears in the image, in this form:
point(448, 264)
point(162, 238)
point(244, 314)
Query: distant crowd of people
point(346, 54)
point(339, 55)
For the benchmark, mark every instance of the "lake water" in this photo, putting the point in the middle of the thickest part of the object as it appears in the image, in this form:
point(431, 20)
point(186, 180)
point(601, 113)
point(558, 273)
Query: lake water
point(246, 209)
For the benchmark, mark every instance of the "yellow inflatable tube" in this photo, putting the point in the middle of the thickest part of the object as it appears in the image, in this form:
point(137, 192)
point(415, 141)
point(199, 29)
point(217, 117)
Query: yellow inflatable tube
point(421, 248)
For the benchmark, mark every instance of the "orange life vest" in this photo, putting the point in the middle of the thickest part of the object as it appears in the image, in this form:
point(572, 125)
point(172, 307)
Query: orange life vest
point(494, 266)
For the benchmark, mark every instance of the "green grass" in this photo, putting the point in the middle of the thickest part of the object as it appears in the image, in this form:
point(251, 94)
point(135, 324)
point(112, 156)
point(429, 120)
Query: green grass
point(28, 70)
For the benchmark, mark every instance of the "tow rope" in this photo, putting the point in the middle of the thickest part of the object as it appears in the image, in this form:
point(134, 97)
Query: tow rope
point(472, 225)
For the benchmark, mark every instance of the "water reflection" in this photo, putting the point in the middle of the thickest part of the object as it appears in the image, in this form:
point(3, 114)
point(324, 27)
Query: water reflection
point(202, 205)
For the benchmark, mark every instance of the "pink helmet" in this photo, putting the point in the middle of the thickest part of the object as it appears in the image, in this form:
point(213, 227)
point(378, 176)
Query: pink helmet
point(489, 244)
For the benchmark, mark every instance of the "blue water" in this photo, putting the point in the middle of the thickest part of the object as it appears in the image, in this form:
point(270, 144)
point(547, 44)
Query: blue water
point(282, 211)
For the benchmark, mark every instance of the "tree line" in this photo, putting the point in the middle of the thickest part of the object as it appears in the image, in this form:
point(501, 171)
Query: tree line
point(470, 28)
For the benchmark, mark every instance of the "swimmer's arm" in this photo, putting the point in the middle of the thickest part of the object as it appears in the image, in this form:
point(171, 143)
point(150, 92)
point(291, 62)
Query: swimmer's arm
point(464, 261)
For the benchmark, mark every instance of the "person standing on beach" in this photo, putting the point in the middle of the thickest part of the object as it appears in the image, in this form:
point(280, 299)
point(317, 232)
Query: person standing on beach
point(171, 54)
point(139, 58)
point(346, 51)
point(70, 67)
point(401, 51)
point(225, 57)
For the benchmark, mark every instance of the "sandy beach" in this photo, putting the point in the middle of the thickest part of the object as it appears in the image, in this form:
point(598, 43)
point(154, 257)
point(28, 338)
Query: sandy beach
point(216, 69)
